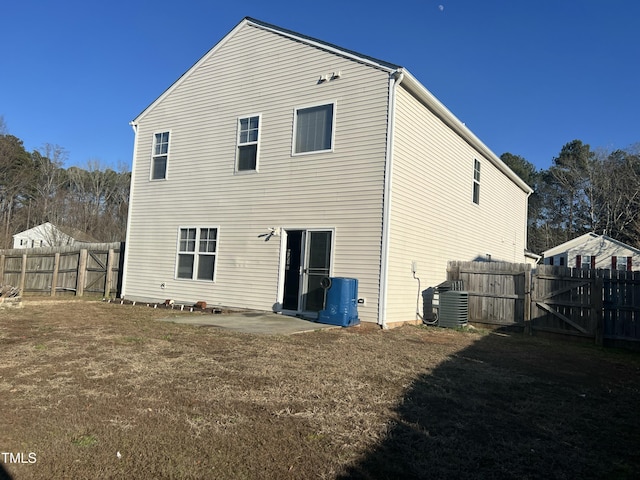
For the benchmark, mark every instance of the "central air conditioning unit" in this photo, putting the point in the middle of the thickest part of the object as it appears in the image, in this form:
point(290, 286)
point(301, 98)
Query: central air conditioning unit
point(453, 309)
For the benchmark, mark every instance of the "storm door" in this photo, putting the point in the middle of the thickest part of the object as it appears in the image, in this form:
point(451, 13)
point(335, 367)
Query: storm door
point(307, 262)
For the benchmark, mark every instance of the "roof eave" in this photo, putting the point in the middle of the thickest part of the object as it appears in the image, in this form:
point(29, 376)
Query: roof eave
point(442, 112)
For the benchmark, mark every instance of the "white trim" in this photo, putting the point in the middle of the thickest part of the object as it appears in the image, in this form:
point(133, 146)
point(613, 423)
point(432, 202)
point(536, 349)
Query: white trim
point(188, 73)
point(295, 128)
point(427, 98)
point(127, 240)
point(394, 80)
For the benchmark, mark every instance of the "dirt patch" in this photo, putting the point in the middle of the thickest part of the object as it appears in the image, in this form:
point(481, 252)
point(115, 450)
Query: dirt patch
point(96, 390)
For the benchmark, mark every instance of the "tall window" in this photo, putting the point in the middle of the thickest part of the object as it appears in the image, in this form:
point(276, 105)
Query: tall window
point(248, 134)
point(197, 250)
point(476, 182)
point(314, 129)
point(160, 155)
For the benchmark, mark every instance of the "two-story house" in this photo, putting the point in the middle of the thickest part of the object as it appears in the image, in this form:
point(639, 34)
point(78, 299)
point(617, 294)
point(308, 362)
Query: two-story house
point(279, 159)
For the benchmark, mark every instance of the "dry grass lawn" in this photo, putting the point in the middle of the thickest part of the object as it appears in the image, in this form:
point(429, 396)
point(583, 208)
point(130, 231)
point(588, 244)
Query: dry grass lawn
point(83, 381)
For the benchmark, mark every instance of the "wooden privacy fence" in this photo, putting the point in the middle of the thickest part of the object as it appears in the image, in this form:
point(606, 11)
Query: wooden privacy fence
point(499, 292)
point(78, 269)
point(597, 304)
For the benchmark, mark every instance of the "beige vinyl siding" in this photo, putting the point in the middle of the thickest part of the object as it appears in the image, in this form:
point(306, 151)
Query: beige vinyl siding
point(433, 218)
point(259, 72)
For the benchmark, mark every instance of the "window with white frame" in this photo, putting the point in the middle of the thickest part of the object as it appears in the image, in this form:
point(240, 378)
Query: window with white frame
point(248, 136)
point(160, 156)
point(476, 182)
point(197, 251)
point(314, 129)
point(588, 262)
point(620, 263)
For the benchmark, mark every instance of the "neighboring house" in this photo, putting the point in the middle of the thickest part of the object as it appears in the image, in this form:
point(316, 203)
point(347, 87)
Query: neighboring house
point(48, 235)
point(594, 251)
point(279, 159)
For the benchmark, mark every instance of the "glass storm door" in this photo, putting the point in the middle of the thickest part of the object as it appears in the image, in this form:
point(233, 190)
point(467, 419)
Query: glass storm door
point(307, 261)
point(317, 266)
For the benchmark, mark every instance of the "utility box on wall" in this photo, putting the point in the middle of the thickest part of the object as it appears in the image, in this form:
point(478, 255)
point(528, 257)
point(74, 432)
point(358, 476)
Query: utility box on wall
point(341, 304)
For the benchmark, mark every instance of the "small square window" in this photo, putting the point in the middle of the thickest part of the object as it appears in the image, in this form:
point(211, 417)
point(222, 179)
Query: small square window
point(248, 135)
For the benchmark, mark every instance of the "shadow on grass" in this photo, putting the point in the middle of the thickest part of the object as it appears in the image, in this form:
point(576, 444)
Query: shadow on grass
point(515, 407)
point(4, 475)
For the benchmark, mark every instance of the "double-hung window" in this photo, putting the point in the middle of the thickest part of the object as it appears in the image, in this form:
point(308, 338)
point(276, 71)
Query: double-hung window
point(160, 156)
point(621, 263)
point(476, 182)
point(197, 251)
point(314, 129)
point(248, 136)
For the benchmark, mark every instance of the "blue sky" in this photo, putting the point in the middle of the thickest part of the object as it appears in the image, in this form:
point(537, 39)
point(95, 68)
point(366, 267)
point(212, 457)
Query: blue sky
point(525, 76)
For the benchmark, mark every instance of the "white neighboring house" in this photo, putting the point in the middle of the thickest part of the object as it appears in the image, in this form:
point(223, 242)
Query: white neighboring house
point(594, 251)
point(48, 235)
point(279, 159)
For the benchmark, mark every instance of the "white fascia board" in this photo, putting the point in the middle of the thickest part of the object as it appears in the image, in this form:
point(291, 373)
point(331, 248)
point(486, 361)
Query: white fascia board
point(188, 73)
point(426, 97)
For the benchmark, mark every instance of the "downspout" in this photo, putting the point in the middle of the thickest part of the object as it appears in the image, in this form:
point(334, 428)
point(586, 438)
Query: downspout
point(125, 262)
point(395, 79)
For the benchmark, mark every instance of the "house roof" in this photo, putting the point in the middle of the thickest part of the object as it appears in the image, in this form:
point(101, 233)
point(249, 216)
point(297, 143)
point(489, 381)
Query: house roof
point(77, 235)
point(583, 239)
point(408, 81)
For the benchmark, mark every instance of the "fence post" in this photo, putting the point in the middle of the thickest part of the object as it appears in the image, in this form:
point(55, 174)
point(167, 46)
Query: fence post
point(54, 276)
point(108, 274)
point(82, 272)
point(23, 273)
point(598, 286)
point(527, 300)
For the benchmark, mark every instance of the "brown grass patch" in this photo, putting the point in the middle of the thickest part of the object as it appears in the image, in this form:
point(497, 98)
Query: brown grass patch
point(82, 381)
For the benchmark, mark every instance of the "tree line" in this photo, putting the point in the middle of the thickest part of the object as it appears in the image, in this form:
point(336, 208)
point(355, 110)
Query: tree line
point(584, 190)
point(36, 188)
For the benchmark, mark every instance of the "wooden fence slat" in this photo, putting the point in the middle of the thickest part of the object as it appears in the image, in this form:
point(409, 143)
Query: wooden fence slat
point(109, 273)
point(54, 277)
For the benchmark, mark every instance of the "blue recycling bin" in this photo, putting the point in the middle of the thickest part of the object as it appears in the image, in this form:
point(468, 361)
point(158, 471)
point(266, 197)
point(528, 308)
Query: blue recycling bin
point(341, 304)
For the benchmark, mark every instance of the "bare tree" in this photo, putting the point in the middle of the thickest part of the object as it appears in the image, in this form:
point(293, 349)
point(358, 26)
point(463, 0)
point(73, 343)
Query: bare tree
point(50, 178)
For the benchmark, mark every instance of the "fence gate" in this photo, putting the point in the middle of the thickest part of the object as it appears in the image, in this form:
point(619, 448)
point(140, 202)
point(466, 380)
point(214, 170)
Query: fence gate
point(498, 291)
point(567, 301)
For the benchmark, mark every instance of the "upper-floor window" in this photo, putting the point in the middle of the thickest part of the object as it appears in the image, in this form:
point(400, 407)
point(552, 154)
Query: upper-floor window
point(476, 182)
point(248, 136)
point(197, 250)
point(313, 128)
point(160, 156)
